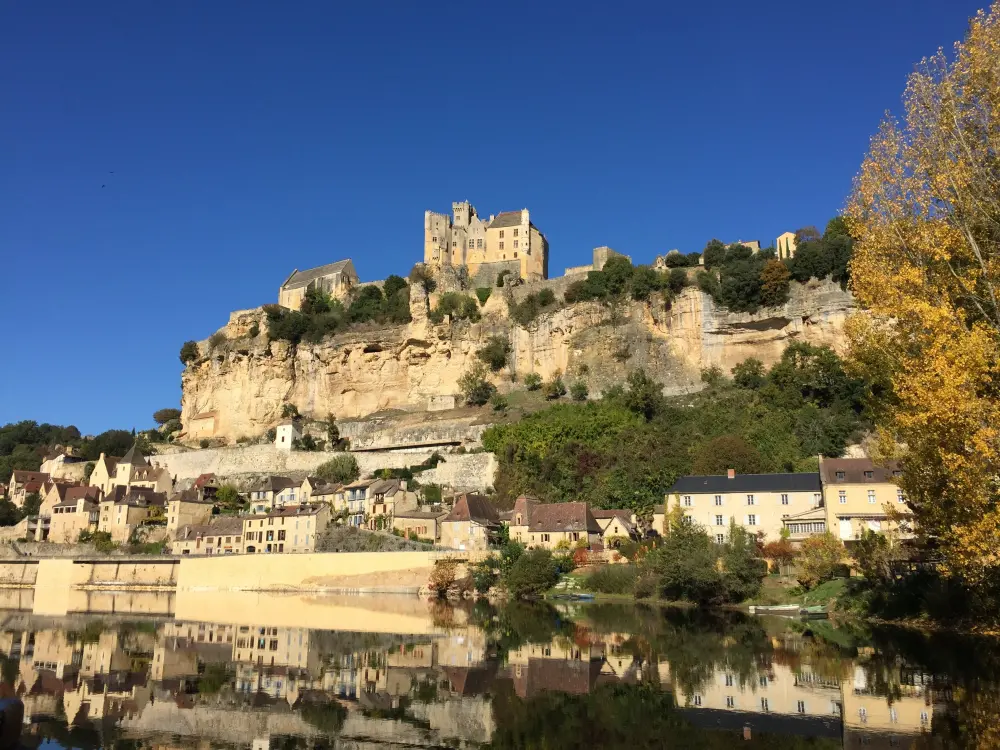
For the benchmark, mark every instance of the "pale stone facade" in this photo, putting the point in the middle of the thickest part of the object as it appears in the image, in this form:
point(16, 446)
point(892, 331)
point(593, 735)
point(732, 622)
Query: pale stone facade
point(187, 508)
point(286, 433)
point(784, 246)
point(465, 240)
point(859, 495)
point(554, 525)
point(601, 256)
point(288, 529)
point(335, 279)
point(69, 518)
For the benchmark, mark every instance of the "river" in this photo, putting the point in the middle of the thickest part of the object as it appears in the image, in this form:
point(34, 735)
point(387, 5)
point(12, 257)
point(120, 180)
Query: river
point(398, 672)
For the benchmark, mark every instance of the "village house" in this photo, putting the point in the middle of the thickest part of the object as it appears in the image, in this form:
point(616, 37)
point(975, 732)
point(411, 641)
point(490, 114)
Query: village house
point(353, 501)
point(39, 527)
point(125, 509)
point(472, 524)
point(76, 514)
point(758, 502)
point(188, 508)
point(419, 523)
point(104, 472)
point(286, 434)
point(616, 525)
point(224, 536)
point(334, 279)
point(53, 492)
point(208, 484)
point(860, 495)
point(292, 528)
point(308, 486)
point(24, 483)
point(322, 493)
point(553, 525)
point(273, 492)
point(386, 498)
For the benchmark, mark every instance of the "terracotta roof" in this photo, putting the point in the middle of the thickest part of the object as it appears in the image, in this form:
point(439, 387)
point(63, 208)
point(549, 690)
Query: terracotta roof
point(22, 476)
point(473, 508)
point(75, 493)
point(852, 471)
point(303, 278)
point(563, 517)
point(204, 479)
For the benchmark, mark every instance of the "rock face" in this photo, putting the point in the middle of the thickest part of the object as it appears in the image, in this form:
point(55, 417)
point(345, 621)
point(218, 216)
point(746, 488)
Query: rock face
point(247, 380)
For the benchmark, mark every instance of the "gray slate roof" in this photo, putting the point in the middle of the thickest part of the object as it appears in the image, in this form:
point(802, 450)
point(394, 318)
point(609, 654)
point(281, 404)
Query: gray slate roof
point(799, 482)
point(506, 219)
point(134, 457)
point(303, 278)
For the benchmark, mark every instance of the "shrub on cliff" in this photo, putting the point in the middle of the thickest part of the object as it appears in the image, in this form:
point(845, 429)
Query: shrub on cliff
point(495, 352)
point(189, 352)
point(339, 469)
point(483, 293)
point(162, 416)
point(475, 385)
point(458, 306)
point(532, 381)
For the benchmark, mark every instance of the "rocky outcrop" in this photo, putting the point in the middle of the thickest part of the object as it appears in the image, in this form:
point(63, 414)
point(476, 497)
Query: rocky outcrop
point(246, 380)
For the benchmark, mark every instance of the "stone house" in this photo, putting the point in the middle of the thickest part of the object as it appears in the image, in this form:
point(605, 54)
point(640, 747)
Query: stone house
point(286, 433)
point(472, 524)
point(70, 517)
point(188, 508)
point(24, 483)
point(308, 486)
point(616, 524)
point(353, 500)
point(506, 242)
point(286, 529)
point(552, 525)
point(420, 523)
point(224, 536)
point(387, 497)
point(758, 502)
point(859, 495)
point(784, 246)
point(104, 472)
point(125, 509)
point(273, 491)
point(335, 279)
point(53, 492)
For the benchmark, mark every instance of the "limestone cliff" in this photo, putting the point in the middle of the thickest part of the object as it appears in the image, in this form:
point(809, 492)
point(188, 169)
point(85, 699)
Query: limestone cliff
point(244, 382)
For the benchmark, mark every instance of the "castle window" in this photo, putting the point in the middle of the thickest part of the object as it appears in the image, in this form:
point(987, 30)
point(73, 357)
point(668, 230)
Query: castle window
point(515, 233)
point(515, 255)
point(501, 234)
point(454, 243)
point(479, 243)
point(434, 239)
point(515, 243)
point(501, 246)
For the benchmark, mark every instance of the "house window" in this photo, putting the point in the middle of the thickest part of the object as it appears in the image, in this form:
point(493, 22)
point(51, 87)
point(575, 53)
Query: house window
point(687, 501)
point(545, 537)
point(751, 520)
point(501, 245)
point(863, 715)
point(434, 239)
point(784, 499)
point(729, 680)
point(763, 680)
point(515, 254)
point(515, 233)
point(869, 475)
point(893, 716)
point(720, 538)
point(515, 243)
point(274, 645)
point(454, 243)
point(817, 498)
point(501, 234)
point(897, 473)
point(697, 700)
point(751, 500)
point(479, 244)
point(281, 535)
point(718, 520)
point(718, 499)
point(730, 702)
point(763, 704)
point(842, 497)
point(871, 497)
point(802, 707)
point(841, 475)
point(923, 717)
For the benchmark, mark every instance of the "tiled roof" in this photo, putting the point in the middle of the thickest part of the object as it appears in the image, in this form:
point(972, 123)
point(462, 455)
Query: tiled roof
point(624, 514)
point(384, 487)
point(506, 219)
point(222, 526)
point(556, 517)
point(22, 476)
point(204, 479)
point(75, 493)
point(799, 482)
point(134, 457)
point(309, 509)
point(420, 514)
point(326, 489)
point(191, 495)
point(853, 470)
point(274, 484)
point(302, 278)
point(473, 508)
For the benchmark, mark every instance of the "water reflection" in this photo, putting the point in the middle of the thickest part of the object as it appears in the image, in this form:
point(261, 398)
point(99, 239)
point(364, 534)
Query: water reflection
point(515, 677)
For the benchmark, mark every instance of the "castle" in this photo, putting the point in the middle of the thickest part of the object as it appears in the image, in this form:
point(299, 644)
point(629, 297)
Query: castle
point(506, 242)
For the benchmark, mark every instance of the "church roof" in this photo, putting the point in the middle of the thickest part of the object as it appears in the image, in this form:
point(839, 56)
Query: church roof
point(303, 278)
point(134, 457)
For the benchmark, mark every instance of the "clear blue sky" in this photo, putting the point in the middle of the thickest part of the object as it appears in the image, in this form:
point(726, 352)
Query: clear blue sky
point(249, 138)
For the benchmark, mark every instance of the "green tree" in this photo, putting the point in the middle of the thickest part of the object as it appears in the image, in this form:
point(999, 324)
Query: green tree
point(495, 352)
point(743, 567)
point(714, 254)
point(617, 274)
point(341, 469)
point(819, 559)
point(9, 514)
point(686, 563)
point(499, 402)
point(475, 385)
point(555, 388)
point(392, 285)
point(579, 391)
point(289, 411)
point(533, 574)
point(644, 282)
point(189, 352)
point(740, 286)
point(421, 276)
point(727, 452)
point(532, 381)
point(162, 416)
point(774, 278)
point(483, 294)
point(228, 499)
point(644, 395)
point(32, 503)
point(315, 301)
point(749, 374)
point(677, 279)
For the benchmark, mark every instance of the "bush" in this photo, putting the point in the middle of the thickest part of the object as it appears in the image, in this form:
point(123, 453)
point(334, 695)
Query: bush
point(499, 402)
point(162, 416)
point(457, 306)
point(189, 352)
point(646, 585)
point(533, 574)
point(475, 385)
point(749, 374)
point(289, 411)
point(686, 563)
point(743, 567)
point(204, 443)
point(495, 352)
point(819, 560)
point(727, 452)
point(532, 381)
point(483, 293)
point(546, 297)
point(612, 579)
point(443, 575)
point(422, 276)
point(254, 331)
point(774, 277)
point(217, 339)
point(555, 388)
point(579, 391)
point(339, 469)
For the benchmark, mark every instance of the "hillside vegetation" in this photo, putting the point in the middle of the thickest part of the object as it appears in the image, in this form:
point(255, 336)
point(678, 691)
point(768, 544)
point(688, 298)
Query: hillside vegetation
point(626, 448)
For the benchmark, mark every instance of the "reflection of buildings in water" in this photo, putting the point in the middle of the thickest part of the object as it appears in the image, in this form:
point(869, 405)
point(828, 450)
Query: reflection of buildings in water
point(866, 713)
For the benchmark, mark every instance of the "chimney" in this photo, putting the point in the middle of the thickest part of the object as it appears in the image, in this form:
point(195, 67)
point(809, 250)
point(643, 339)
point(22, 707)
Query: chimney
point(731, 473)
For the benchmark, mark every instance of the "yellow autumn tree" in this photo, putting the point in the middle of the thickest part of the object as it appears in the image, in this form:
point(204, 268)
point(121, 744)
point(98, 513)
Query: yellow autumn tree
point(925, 215)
